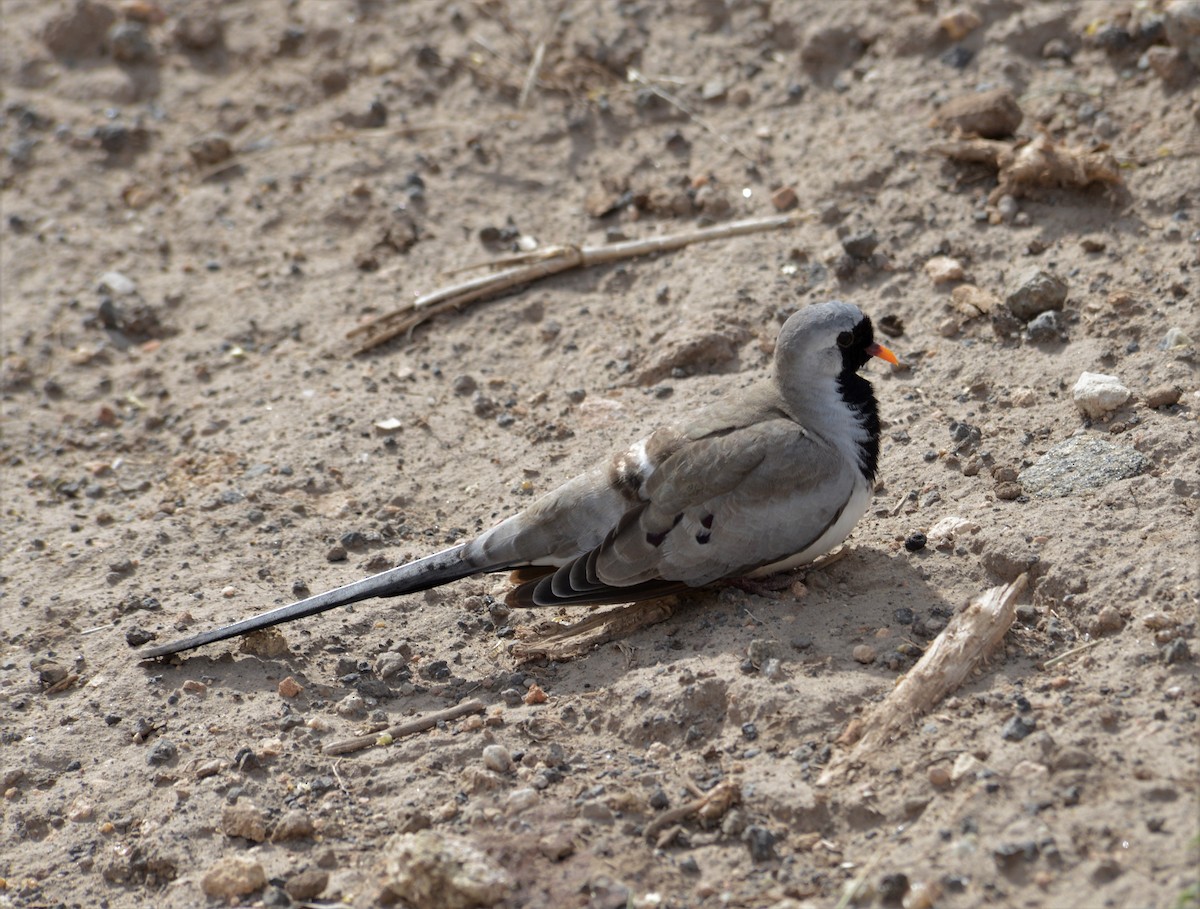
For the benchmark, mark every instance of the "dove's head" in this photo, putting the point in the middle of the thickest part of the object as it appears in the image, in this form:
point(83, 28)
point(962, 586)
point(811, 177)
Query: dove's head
point(825, 342)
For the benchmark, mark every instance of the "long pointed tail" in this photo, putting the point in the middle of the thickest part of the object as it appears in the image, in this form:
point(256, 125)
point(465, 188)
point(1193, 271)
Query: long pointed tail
point(431, 571)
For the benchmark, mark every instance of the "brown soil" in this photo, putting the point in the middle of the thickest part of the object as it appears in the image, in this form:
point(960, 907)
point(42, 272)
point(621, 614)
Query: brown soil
point(198, 442)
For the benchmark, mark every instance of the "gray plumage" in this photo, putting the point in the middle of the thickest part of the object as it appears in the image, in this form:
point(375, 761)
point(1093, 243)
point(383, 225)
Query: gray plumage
point(770, 477)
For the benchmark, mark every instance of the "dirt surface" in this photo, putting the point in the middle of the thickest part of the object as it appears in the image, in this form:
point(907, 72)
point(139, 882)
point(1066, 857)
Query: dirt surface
point(200, 200)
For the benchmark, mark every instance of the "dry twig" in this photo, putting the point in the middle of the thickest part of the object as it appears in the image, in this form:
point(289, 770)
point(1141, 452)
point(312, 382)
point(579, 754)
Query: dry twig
point(710, 807)
point(527, 268)
point(420, 724)
point(968, 638)
point(564, 642)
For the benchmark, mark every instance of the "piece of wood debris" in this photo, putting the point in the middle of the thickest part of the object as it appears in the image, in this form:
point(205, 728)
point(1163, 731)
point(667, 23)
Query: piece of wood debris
point(552, 641)
point(964, 643)
point(710, 807)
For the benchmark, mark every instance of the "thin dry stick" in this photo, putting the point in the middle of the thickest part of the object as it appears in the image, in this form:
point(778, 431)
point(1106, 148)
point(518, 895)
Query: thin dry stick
point(552, 261)
point(1074, 651)
point(420, 724)
point(963, 644)
point(712, 805)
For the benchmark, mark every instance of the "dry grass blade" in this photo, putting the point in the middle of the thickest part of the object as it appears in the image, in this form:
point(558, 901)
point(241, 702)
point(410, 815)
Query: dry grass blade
point(553, 260)
point(954, 654)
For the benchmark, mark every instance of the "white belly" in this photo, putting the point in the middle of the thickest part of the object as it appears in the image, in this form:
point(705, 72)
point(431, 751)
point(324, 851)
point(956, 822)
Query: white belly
point(860, 498)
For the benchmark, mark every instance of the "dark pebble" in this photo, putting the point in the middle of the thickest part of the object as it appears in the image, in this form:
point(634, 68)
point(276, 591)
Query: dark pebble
point(915, 542)
point(511, 697)
point(1176, 651)
point(1018, 728)
point(659, 800)
point(904, 616)
point(136, 637)
point(892, 887)
point(112, 719)
point(750, 732)
point(958, 57)
point(689, 865)
point(246, 760)
point(162, 753)
point(860, 245)
point(1009, 855)
point(761, 842)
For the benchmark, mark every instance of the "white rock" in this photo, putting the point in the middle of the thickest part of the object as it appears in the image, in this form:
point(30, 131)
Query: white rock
point(948, 529)
point(943, 269)
point(1097, 394)
point(497, 758)
point(117, 284)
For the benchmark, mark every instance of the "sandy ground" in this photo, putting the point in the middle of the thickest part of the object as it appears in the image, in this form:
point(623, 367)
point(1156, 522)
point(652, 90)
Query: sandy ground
point(201, 200)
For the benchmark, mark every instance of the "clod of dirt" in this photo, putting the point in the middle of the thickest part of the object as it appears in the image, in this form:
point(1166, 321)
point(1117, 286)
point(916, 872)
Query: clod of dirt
point(231, 877)
point(245, 820)
point(80, 32)
point(992, 114)
point(434, 869)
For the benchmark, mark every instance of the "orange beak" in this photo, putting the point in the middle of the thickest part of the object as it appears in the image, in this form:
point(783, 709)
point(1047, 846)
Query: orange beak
point(878, 350)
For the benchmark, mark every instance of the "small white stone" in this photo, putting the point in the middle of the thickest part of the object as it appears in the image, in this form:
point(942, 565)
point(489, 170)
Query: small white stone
point(117, 284)
point(521, 800)
point(497, 758)
point(943, 269)
point(1097, 394)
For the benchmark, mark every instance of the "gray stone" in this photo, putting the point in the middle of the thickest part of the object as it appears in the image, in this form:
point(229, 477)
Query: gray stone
point(1079, 464)
point(1035, 292)
point(1182, 21)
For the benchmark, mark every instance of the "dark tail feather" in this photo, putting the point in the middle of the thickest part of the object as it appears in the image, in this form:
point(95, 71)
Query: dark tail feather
point(431, 571)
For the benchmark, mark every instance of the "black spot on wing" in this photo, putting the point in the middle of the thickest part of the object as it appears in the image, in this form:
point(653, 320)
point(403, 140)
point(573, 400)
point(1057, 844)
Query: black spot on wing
point(707, 521)
point(703, 537)
point(656, 539)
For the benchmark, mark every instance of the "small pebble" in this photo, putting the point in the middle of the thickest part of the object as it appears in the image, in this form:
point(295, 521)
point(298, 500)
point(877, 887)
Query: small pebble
point(861, 245)
point(497, 758)
point(521, 800)
point(352, 706)
point(915, 542)
point(1107, 621)
point(1096, 394)
point(1163, 396)
point(556, 846)
point(1035, 292)
point(231, 877)
point(943, 270)
point(307, 885)
point(864, 653)
point(293, 825)
point(939, 776)
point(162, 753)
point(1018, 728)
point(246, 820)
point(289, 687)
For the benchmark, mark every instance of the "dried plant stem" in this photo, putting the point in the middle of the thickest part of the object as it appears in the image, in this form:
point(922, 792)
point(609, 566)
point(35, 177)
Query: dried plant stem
point(420, 724)
point(553, 260)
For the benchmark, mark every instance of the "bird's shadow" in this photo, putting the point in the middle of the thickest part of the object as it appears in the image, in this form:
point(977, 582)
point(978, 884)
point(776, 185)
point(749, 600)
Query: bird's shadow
point(868, 599)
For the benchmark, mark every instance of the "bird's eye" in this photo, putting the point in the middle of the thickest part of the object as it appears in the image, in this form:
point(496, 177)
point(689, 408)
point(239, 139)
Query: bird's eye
point(845, 339)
